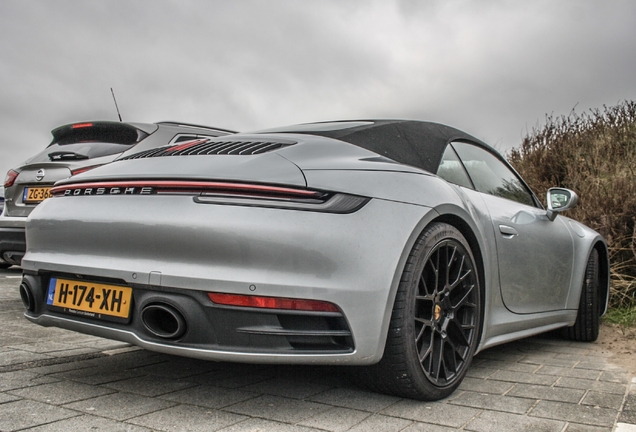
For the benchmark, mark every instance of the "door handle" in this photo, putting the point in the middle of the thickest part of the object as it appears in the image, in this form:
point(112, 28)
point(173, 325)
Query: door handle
point(507, 231)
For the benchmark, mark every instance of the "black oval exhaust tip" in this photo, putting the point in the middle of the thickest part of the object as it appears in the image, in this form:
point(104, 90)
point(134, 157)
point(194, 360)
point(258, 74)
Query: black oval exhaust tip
point(27, 297)
point(163, 321)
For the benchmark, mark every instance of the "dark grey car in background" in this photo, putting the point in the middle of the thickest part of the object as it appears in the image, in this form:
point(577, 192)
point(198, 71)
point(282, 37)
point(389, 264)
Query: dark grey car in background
point(76, 148)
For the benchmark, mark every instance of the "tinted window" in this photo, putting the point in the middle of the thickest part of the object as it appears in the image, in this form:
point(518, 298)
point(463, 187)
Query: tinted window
point(492, 176)
point(452, 170)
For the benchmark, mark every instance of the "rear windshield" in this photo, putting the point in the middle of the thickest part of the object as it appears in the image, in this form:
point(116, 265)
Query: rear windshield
point(82, 141)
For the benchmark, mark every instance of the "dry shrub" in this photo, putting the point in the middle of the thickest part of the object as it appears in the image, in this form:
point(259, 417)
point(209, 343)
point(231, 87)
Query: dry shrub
point(594, 154)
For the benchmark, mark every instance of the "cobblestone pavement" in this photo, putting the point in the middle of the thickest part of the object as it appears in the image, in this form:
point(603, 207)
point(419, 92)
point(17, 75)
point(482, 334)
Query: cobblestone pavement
point(56, 380)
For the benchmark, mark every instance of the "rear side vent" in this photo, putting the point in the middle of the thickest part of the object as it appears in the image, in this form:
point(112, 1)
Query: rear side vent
point(201, 147)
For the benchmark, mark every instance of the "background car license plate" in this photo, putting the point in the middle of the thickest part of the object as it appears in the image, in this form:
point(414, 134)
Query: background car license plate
point(36, 195)
point(93, 299)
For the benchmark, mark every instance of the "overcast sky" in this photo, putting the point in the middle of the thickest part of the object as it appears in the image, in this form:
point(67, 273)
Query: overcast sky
point(491, 68)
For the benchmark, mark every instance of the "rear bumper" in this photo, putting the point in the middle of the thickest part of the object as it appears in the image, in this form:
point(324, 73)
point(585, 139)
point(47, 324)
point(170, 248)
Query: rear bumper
point(209, 330)
point(12, 239)
point(353, 261)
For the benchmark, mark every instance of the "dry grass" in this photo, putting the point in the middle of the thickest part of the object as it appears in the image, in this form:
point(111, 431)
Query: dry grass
point(594, 154)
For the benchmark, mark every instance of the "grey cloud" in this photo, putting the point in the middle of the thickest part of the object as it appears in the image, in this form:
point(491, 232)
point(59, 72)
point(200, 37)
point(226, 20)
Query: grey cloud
point(493, 68)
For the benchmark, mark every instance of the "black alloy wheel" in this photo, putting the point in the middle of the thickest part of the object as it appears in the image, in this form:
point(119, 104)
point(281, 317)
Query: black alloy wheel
point(436, 319)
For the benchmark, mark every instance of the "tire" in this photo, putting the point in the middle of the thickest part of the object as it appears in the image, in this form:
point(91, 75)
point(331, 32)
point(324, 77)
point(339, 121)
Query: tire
point(588, 318)
point(436, 320)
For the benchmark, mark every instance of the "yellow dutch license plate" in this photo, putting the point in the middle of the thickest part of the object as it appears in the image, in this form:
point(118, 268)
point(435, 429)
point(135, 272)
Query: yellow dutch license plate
point(89, 298)
point(35, 195)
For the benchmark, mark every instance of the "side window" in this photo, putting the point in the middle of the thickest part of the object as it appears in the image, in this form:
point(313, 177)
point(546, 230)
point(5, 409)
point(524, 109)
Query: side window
point(452, 170)
point(490, 175)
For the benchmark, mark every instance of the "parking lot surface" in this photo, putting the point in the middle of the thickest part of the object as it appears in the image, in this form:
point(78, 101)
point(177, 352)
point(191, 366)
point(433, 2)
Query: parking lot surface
point(57, 380)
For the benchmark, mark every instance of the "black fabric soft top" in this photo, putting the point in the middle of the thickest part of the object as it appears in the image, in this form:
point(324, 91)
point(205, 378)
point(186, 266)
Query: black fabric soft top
point(415, 143)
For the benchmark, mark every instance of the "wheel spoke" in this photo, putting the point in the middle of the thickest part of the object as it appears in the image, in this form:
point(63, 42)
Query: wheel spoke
point(437, 358)
point(465, 300)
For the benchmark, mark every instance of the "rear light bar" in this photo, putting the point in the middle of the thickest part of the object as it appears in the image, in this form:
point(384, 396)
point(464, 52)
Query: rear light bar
point(10, 178)
point(224, 193)
point(272, 302)
point(148, 187)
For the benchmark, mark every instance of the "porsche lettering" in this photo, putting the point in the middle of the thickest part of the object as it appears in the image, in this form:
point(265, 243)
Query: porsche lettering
point(110, 191)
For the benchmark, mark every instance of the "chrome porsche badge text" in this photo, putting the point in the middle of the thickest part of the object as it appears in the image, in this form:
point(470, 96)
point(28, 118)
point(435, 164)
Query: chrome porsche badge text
point(110, 191)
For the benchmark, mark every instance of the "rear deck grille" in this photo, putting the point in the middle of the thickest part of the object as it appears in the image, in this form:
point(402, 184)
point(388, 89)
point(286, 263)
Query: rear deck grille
point(208, 147)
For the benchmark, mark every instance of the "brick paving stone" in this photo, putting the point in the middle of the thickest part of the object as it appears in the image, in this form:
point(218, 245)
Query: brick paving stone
point(61, 393)
point(5, 397)
point(233, 379)
point(336, 419)
point(95, 376)
point(574, 413)
point(262, 425)
point(481, 371)
point(485, 385)
point(599, 364)
point(551, 361)
point(559, 394)
point(355, 399)
point(13, 356)
point(603, 400)
point(182, 417)
point(524, 378)
point(24, 414)
point(120, 406)
point(628, 415)
point(176, 368)
point(432, 412)
point(600, 386)
point(381, 423)
point(500, 354)
point(493, 402)
point(89, 423)
point(489, 421)
point(296, 389)
point(21, 379)
point(44, 347)
point(427, 427)
point(615, 377)
point(150, 385)
point(577, 427)
point(569, 372)
point(513, 366)
point(209, 396)
point(279, 409)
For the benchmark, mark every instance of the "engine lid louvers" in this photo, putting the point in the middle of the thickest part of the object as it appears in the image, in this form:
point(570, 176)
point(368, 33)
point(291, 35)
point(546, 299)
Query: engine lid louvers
point(201, 147)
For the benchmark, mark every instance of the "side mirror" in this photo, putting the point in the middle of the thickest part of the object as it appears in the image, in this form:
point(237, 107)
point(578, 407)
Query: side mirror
point(560, 200)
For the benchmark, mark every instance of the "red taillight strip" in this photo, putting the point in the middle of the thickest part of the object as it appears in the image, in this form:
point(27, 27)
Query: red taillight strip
point(10, 178)
point(272, 302)
point(198, 186)
point(84, 169)
point(81, 125)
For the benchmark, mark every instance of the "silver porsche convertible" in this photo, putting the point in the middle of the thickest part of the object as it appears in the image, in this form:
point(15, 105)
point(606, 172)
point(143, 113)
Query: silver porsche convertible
point(401, 247)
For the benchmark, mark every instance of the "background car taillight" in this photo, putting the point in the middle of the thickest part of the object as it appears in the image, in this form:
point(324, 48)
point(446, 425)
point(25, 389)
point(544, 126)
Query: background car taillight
point(84, 169)
point(10, 178)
